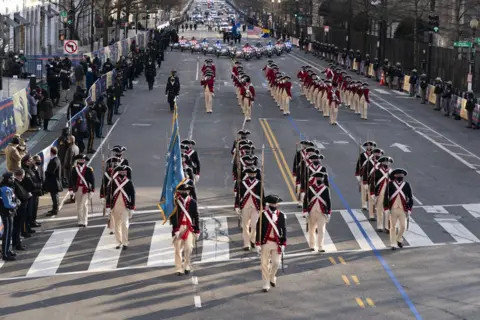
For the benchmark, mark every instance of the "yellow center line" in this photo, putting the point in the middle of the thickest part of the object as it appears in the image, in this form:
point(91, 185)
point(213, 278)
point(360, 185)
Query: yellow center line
point(355, 279)
point(332, 260)
point(341, 260)
point(360, 302)
point(370, 302)
point(274, 150)
point(267, 125)
point(345, 279)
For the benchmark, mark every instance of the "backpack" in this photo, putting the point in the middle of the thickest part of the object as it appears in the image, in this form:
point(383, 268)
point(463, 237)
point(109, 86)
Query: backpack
point(7, 193)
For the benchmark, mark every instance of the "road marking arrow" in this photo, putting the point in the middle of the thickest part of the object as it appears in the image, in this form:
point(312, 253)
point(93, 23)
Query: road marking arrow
point(141, 124)
point(340, 142)
point(400, 146)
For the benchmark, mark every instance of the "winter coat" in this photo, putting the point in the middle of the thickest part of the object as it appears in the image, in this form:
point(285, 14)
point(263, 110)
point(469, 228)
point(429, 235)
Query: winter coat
point(13, 157)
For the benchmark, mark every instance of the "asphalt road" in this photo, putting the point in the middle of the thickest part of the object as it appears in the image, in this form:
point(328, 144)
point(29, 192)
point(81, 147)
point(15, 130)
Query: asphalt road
point(71, 273)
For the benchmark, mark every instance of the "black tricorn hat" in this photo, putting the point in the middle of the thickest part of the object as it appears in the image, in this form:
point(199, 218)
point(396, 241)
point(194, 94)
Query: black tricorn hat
point(398, 172)
point(318, 175)
point(82, 157)
point(273, 199)
point(251, 170)
point(118, 148)
point(385, 159)
point(243, 132)
point(369, 144)
point(188, 142)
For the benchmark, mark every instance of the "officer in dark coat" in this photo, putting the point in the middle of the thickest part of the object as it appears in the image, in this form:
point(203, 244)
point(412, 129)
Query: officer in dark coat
point(172, 90)
point(92, 120)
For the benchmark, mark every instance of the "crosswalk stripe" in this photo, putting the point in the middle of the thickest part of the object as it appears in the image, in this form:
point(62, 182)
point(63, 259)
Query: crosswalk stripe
point(362, 242)
point(382, 91)
point(457, 230)
point(435, 209)
point(473, 209)
point(161, 247)
point(415, 236)
point(216, 245)
point(52, 254)
point(328, 245)
point(106, 255)
point(371, 233)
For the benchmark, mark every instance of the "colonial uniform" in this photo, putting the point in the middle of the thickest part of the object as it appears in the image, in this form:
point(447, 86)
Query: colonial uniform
point(241, 135)
point(82, 183)
point(317, 206)
point(208, 87)
point(367, 175)
point(364, 100)
point(286, 95)
point(185, 227)
point(326, 95)
point(248, 95)
point(398, 203)
point(247, 203)
point(364, 159)
point(193, 156)
point(301, 156)
point(378, 184)
point(334, 103)
point(120, 199)
point(272, 236)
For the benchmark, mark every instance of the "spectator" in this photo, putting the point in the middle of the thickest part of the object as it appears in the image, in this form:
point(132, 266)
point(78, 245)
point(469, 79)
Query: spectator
point(53, 82)
point(470, 106)
point(68, 163)
point(19, 219)
point(29, 185)
point(32, 109)
point(45, 110)
point(53, 180)
point(8, 207)
point(62, 149)
point(79, 132)
point(12, 155)
point(89, 78)
point(65, 80)
point(38, 180)
point(79, 76)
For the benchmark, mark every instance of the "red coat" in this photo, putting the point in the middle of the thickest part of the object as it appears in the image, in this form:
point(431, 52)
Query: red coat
point(366, 91)
point(208, 83)
point(212, 67)
point(288, 88)
point(250, 88)
point(300, 75)
point(329, 74)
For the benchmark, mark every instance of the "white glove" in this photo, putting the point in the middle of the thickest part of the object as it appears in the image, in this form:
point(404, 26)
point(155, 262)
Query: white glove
point(358, 178)
point(238, 211)
point(177, 234)
point(409, 212)
point(197, 177)
point(327, 217)
point(387, 211)
point(259, 249)
point(305, 214)
point(282, 248)
point(374, 197)
point(90, 195)
point(213, 94)
point(108, 211)
point(197, 236)
point(130, 213)
point(103, 201)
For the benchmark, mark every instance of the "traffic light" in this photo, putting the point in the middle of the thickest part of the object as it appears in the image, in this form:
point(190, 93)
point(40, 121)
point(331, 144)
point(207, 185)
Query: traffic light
point(71, 15)
point(434, 23)
point(61, 35)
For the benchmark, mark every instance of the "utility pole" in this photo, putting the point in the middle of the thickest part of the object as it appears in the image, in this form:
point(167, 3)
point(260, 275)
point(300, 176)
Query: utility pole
point(430, 42)
point(92, 25)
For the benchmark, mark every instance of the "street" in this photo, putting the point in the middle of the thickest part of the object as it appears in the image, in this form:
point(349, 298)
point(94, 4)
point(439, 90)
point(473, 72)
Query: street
point(76, 273)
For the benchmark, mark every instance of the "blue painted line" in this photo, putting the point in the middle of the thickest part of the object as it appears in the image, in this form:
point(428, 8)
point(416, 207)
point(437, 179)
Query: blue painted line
point(377, 253)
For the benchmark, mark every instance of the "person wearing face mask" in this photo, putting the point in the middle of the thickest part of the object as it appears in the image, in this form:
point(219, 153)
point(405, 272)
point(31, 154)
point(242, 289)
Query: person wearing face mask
point(121, 209)
point(19, 220)
point(172, 90)
point(30, 185)
point(38, 179)
point(185, 226)
point(364, 159)
point(367, 175)
point(53, 180)
point(82, 184)
point(12, 155)
point(8, 207)
point(247, 204)
point(315, 166)
point(272, 237)
point(398, 203)
point(317, 208)
point(378, 184)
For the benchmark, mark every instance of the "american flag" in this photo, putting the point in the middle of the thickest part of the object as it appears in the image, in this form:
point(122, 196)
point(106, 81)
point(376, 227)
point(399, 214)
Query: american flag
point(254, 31)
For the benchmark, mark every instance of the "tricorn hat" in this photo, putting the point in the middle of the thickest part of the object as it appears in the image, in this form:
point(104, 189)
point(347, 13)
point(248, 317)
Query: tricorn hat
point(369, 144)
point(399, 172)
point(273, 199)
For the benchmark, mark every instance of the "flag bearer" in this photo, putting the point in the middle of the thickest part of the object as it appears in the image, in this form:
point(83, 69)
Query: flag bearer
point(378, 183)
point(120, 199)
point(272, 236)
point(317, 206)
point(185, 226)
point(398, 203)
point(82, 183)
point(363, 159)
point(247, 204)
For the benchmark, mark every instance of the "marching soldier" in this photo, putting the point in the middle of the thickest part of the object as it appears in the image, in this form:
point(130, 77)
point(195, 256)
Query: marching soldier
point(300, 156)
point(208, 82)
point(287, 95)
point(300, 77)
point(209, 65)
point(378, 184)
point(172, 90)
point(364, 159)
point(317, 208)
point(193, 156)
point(326, 101)
point(247, 204)
point(364, 101)
point(82, 184)
point(272, 236)
point(334, 103)
point(248, 95)
point(121, 210)
point(241, 135)
point(185, 226)
point(315, 166)
point(304, 172)
point(368, 175)
point(398, 203)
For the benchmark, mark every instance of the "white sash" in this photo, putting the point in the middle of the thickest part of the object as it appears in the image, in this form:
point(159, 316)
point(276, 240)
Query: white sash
point(317, 196)
point(80, 175)
point(108, 177)
point(185, 212)
point(120, 188)
point(384, 176)
point(274, 226)
point(249, 190)
point(366, 160)
point(399, 191)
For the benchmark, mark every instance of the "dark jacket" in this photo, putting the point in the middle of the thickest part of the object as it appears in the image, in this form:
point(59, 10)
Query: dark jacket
point(53, 176)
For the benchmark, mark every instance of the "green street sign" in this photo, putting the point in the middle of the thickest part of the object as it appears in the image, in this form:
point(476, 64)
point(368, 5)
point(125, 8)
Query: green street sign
point(462, 44)
point(477, 40)
point(63, 14)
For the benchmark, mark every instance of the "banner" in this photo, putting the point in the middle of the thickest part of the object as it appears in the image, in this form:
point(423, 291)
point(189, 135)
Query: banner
point(20, 109)
point(7, 122)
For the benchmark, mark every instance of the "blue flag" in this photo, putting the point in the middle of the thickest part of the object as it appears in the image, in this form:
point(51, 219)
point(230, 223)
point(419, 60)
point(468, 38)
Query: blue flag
point(174, 175)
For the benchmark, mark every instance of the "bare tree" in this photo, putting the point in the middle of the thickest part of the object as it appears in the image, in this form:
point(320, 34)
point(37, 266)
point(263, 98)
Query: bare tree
point(77, 10)
point(455, 17)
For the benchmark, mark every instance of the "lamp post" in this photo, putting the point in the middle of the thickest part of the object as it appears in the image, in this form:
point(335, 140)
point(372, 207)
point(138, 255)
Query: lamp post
point(471, 65)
